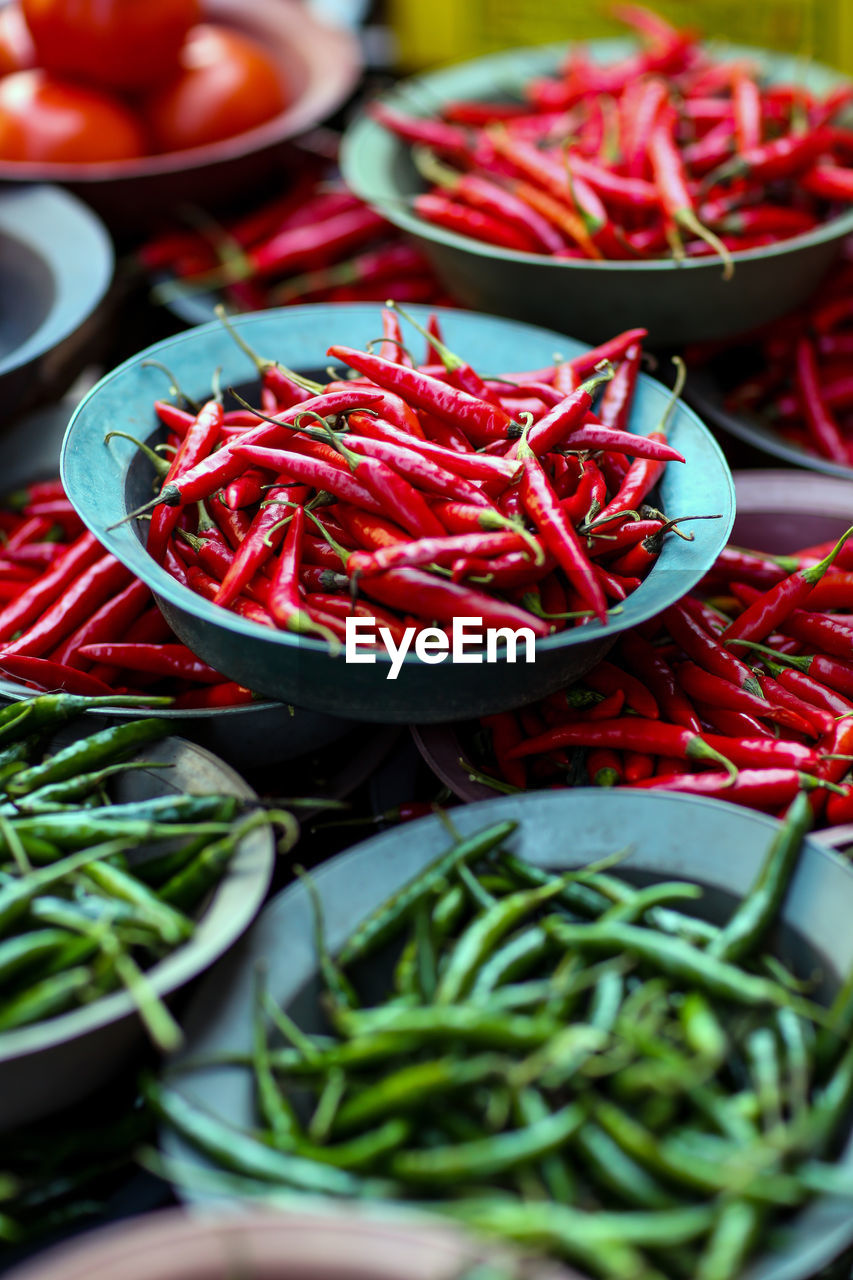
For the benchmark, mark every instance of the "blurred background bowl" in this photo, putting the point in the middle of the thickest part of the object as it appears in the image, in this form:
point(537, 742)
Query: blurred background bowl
point(676, 302)
point(321, 64)
point(53, 1063)
point(777, 511)
point(557, 830)
point(707, 388)
point(56, 264)
point(106, 482)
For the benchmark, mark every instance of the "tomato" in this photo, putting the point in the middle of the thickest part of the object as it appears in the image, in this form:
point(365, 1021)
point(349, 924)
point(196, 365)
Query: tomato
point(17, 51)
point(120, 44)
point(226, 85)
point(46, 119)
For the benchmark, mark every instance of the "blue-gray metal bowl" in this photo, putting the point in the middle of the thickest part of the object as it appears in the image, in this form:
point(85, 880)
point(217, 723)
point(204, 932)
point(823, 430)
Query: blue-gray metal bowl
point(676, 302)
point(671, 836)
point(106, 481)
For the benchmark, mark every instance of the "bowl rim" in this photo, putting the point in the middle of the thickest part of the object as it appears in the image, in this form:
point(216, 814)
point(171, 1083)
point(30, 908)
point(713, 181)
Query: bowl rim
point(232, 907)
point(164, 585)
point(80, 236)
point(306, 25)
point(360, 131)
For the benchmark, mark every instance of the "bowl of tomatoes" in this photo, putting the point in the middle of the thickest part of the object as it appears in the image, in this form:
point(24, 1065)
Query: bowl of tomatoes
point(140, 105)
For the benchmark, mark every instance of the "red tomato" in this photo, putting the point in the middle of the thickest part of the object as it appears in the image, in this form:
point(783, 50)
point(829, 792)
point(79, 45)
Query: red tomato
point(227, 84)
point(123, 44)
point(43, 118)
point(17, 51)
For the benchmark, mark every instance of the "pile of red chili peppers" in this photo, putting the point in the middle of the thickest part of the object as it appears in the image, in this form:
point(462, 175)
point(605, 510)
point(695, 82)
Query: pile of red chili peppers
point(315, 242)
point(743, 690)
point(413, 494)
point(801, 372)
point(668, 151)
point(74, 618)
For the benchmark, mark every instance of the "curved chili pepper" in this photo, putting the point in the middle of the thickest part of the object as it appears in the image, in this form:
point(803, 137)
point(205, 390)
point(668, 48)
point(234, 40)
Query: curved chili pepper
point(479, 419)
point(770, 611)
point(655, 672)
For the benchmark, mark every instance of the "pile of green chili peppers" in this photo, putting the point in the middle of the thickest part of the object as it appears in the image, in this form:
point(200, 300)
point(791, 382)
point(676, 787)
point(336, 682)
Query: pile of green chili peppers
point(93, 892)
point(571, 1062)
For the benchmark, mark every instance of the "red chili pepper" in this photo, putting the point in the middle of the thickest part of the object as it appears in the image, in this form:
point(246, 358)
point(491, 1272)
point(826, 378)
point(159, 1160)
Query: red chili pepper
point(781, 158)
point(707, 688)
point(746, 101)
point(260, 543)
point(157, 659)
point(106, 623)
point(638, 765)
point(246, 490)
point(706, 650)
point(673, 189)
point(479, 419)
point(644, 474)
point(471, 466)
point(558, 426)
point(197, 445)
point(506, 734)
point(436, 598)
point(775, 692)
point(226, 694)
point(658, 676)
point(771, 610)
point(631, 734)
point(68, 602)
point(201, 582)
point(52, 676)
point(604, 768)
point(40, 599)
point(557, 532)
point(442, 550)
point(767, 790)
point(823, 429)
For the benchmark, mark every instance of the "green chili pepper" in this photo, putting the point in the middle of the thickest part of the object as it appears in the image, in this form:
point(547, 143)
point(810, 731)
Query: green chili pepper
point(191, 882)
point(44, 999)
point(274, 1108)
point(488, 1157)
point(728, 1244)
point(407, 1088)
point(16, 896)
point(26, 949)
point(471, 1026)
point(51, 710)
point(480, 937)
point(392, 914)
point(243, 1154)
point(87, 754)
point(759, 907)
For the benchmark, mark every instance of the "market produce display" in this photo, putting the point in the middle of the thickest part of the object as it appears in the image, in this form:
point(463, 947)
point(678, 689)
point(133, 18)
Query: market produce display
point(92, 892)
point(74, 618)
point(795, 376)
point(93, 82)
point(743, 690)
point(316, 242)
point(573, 1062)
point(444, 504)
point(668, 152)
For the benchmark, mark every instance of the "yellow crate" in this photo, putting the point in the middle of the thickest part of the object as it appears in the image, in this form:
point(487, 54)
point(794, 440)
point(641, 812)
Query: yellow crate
point(430, 32)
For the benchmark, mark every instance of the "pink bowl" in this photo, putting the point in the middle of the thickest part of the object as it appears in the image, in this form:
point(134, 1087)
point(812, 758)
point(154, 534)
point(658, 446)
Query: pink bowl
point(260, 1245)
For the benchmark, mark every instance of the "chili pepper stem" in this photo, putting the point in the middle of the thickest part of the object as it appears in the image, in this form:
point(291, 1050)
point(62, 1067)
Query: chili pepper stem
point(262, 365)
point(161, 466)
point(687, 219)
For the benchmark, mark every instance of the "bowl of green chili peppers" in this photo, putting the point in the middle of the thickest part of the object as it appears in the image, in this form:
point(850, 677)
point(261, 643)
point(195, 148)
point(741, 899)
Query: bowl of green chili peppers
point(129, 861)
point(616, 1034)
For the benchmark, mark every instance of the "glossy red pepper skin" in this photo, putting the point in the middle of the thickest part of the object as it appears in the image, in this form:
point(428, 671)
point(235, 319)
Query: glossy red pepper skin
point(78, 601)
point(558, 535)
point(201, 436)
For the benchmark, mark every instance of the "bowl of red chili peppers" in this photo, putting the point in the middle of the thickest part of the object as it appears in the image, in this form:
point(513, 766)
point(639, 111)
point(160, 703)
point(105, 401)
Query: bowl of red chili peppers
point(400, 498)
point(788, 389)
point(762, 646)
point(607, 184)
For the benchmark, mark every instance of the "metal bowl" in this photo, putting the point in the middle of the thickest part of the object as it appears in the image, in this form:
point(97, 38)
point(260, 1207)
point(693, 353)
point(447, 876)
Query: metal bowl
point(777, 511)
point(723, 852)
point(54, 1063)
point(56, 264)
point(321, 64)
point(677, 303)
point(105, 482)
point(334, 1244)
